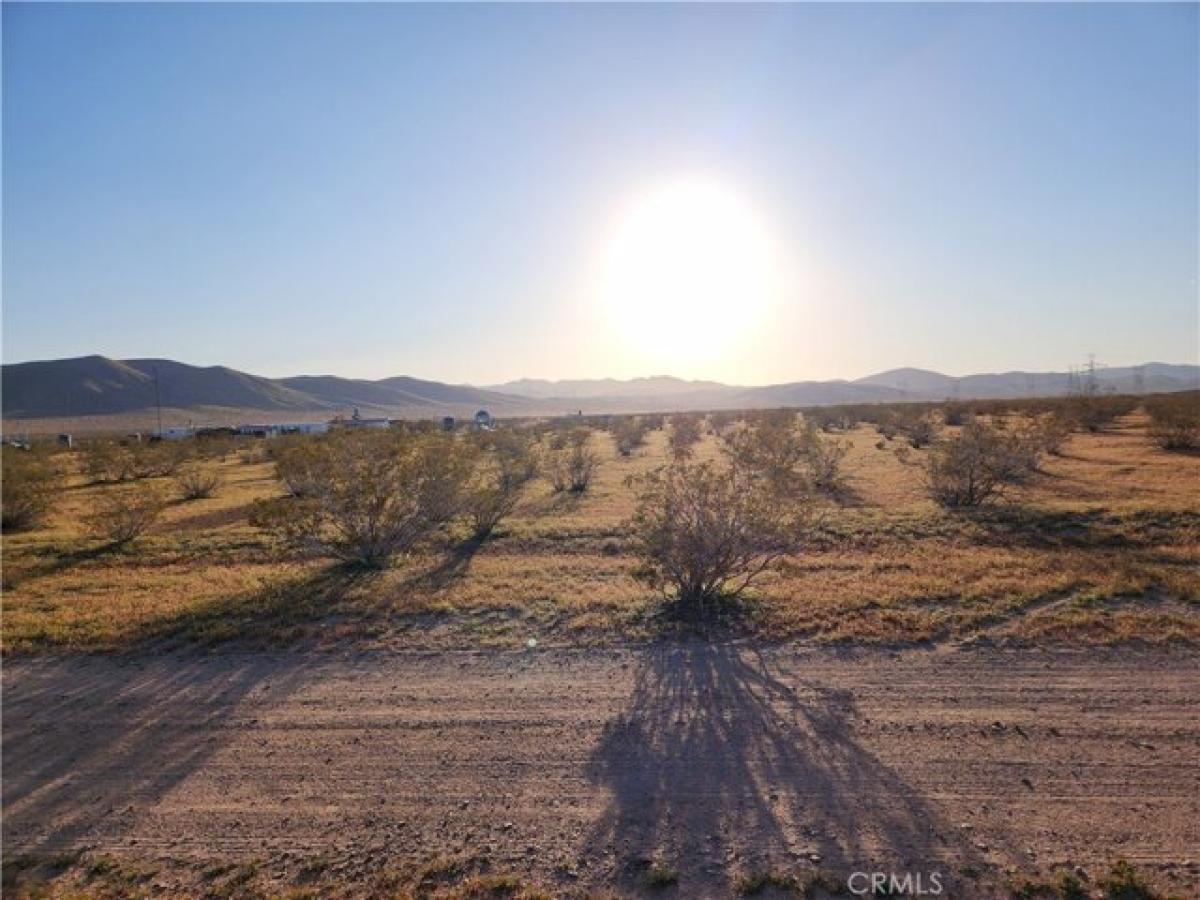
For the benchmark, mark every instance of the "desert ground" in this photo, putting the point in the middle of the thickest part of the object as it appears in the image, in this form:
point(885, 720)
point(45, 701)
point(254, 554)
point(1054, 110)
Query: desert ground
point(1002, 697)
point(574, 771)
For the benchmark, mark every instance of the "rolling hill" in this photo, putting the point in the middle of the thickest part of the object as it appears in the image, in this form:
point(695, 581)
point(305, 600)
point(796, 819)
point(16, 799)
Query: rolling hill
point(95, 386)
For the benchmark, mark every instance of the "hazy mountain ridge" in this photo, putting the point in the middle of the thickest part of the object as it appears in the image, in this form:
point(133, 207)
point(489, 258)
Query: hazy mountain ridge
point(92, 386)
point(97, 386)
point(1151, 377)
point(653, 386)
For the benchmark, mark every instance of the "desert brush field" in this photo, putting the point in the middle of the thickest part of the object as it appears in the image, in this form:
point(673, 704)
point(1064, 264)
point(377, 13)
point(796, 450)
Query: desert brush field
point(1100, 545)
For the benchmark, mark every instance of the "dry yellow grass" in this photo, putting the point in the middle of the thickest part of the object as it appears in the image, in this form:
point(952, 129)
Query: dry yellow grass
point(1102, 546)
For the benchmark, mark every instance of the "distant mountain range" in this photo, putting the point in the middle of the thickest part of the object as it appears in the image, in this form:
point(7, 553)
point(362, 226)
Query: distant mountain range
point(96, 387)
point(892, 385)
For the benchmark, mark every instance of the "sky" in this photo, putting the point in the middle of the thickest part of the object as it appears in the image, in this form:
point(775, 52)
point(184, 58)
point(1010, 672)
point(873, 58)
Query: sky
point(375, 190)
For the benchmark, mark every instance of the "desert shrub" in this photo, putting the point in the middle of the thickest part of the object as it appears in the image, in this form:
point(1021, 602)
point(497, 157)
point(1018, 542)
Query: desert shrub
point(1065, 887)
point(196, 482)
point(772, 418)
point(157, 459)
point(107, 461)
point(1052, 431)
point(1095, 412)
point(254, 452)
point(374, 497)
point(1124, 883)
point(490, 498)
point(774, 452)
point(1026, 446)
point(572, 464)
point(685, 434)
point(29, 483)
point(703, 533)
point(720, 422)
point(513, 448)
point(659, 876)
point(501, 470)
point(300, 463)
point(823, 459)
point(629, 433)
point(122, 515)
point(919, 431)
point(831, 418)
point(975, 466)
point(1175, 422)
point(956, 414)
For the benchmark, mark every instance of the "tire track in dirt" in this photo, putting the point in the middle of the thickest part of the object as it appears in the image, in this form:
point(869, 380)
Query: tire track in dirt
point(578, 767)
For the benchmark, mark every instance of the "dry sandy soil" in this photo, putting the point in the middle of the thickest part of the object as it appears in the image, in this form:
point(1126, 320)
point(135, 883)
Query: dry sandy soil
point(581, 770)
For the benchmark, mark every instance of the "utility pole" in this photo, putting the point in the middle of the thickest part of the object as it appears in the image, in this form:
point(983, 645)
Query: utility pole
point(158, 401)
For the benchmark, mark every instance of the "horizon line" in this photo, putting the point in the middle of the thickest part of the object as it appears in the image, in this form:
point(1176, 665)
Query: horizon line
point(494, 385)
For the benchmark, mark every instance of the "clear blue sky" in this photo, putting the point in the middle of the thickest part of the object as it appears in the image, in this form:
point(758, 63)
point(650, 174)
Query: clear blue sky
point(373, 190)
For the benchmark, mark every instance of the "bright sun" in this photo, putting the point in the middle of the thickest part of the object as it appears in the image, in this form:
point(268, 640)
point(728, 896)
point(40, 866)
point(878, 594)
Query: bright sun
point(688, 271)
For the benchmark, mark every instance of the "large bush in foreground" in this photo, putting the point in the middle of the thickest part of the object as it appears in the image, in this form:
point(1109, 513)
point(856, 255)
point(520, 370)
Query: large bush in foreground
point(29, 484)
point(369, 498)
point(979, 463)
point(704, 532)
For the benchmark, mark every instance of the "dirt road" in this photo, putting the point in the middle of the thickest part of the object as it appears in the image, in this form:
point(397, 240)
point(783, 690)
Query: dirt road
point(579, 768)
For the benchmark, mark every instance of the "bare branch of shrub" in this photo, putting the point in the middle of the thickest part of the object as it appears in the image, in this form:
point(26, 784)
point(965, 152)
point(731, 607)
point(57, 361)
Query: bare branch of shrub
point(120, 516)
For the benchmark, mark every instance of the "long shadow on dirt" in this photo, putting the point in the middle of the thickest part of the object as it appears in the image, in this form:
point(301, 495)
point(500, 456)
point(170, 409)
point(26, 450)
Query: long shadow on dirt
point(88, 744)
point(87, 747)
point(719, 768)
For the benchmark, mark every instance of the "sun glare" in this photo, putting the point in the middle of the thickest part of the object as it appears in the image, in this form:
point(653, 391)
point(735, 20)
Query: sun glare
point(689, 270)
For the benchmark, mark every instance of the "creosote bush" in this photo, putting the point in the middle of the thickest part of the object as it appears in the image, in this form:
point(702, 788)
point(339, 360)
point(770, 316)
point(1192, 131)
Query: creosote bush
point(1052, 431)
point(629, 433)
point(773, 452)
point(371, 497)
point(823, 459)
point(197, 483)
point(122, 515)
point(919, 431)
point(503, 465)
point(111, 461)
point(29, 484)
point(977, 464)
point(1093, 412)
point(107, 461)
point(704, 532)
point(1175, 422)
point(157, 459)
point(685, 435)
point(570, 463)
point(299, 463)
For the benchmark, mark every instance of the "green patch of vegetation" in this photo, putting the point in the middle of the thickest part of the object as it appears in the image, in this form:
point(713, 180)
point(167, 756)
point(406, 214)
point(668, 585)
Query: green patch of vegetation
point(237, 883)
point(1124, 883)
point(117, 871)
point(755, 883)
point(1065, 887)
point(659, 876)
point(825, 882)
